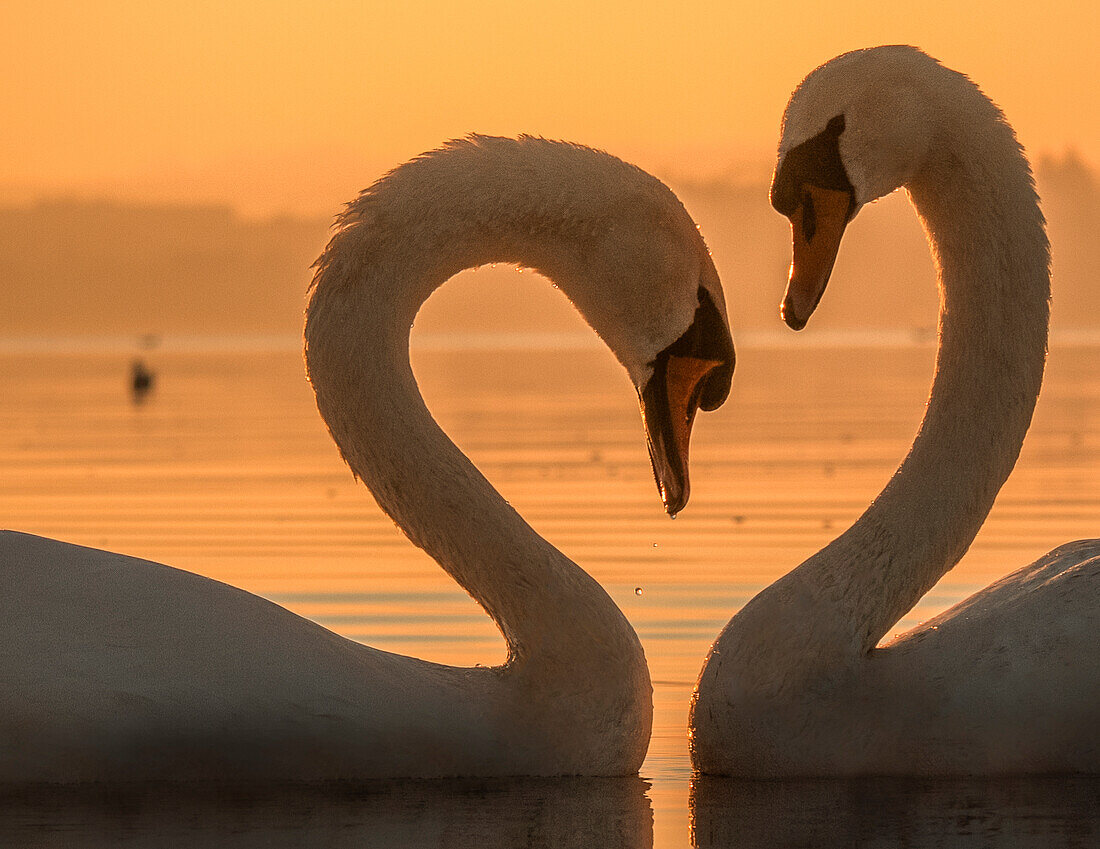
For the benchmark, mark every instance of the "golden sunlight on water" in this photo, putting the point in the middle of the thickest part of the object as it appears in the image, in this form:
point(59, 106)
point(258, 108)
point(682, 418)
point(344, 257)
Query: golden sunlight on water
point(227, 470)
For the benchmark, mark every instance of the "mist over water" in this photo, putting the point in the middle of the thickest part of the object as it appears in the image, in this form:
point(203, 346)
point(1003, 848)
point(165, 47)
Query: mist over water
point(226, 470)
point(103, 269)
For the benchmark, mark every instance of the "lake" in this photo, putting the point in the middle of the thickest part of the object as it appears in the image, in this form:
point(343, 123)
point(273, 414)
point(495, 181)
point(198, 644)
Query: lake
point(225, 469)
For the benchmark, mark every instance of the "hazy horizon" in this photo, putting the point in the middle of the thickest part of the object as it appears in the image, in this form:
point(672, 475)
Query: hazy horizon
point(191, 158)
point(104, 268)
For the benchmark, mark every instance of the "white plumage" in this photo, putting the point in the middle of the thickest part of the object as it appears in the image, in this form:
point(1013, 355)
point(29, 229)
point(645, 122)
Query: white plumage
point(1008, 681)
point(114, 668)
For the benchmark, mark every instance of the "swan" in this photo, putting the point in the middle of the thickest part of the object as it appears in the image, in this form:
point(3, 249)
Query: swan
point(1008, 680)
point(115, 668)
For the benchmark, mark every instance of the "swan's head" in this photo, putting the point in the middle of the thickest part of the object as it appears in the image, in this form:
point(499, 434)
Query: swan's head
point(855, 129)
point(692, 372)
point(648, 286)
point(615, 240)
point(623, 249)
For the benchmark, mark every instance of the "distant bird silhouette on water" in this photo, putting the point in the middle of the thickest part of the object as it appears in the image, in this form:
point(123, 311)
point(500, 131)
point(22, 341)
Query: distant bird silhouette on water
point(142, 380)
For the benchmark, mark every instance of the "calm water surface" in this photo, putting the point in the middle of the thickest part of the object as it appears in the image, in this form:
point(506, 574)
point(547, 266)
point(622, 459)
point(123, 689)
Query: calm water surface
point(227, 470)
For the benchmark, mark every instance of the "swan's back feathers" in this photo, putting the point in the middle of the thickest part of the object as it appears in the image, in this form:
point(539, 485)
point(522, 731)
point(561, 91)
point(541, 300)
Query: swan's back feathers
point(1034, 607)
point(1011, 672)
point(115, 666)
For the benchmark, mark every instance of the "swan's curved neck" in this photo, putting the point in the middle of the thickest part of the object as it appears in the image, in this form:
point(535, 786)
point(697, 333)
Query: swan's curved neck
point(372, 279)
point(980, 211)
point(976, 199)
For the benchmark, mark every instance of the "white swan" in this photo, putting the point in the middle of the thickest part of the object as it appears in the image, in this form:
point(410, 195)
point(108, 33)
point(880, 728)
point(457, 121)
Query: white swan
point(117, 668)
point(1009, 679)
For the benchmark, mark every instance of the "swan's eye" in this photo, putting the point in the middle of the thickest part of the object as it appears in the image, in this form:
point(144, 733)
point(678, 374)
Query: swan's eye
point(815, 162)
point(809, 217)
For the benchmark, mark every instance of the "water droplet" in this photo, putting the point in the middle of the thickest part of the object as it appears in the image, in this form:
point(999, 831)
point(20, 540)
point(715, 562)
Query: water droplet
point(654, 545)
point(637, 591)
point(672, 516)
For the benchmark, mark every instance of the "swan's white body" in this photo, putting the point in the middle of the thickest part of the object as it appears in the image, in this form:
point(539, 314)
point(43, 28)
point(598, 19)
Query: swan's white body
point(1008, 681)
point(114, 668)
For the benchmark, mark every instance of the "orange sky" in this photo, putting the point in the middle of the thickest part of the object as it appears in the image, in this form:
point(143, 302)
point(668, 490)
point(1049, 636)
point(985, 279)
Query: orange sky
point(292, 105)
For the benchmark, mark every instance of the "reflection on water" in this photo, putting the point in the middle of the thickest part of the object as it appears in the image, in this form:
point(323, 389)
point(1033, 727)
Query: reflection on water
point(227, 471)
point(615, 813)
point(467, 814)
point(1046, 812)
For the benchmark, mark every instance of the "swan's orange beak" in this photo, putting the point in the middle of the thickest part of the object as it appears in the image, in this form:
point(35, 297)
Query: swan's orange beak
point(817, 226)
point(669, 404)
point(691, 374)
